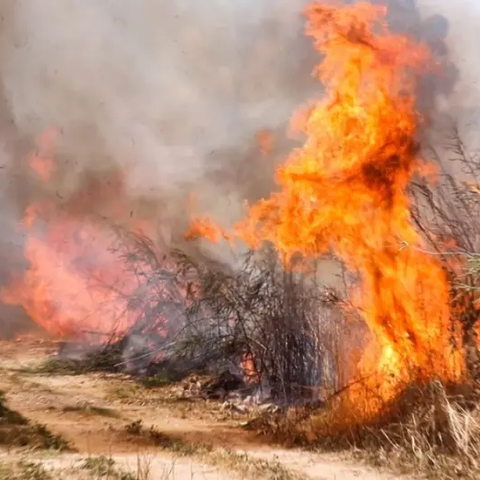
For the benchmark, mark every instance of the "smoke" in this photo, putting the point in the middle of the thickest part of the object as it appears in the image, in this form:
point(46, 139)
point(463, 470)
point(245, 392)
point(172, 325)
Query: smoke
point(157, 89)
point(462, 105)
point(172, 94)
point(151, 100)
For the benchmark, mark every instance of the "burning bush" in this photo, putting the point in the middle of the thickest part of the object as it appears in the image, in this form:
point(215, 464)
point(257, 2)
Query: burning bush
point(279, 320)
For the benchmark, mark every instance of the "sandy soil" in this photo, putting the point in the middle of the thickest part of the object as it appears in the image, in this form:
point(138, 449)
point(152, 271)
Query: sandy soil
point(92, 411)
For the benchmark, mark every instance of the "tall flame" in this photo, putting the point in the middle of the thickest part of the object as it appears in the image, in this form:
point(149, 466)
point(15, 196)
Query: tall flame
point(344, 192)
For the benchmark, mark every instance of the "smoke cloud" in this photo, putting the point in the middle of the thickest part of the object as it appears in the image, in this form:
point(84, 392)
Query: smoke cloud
point(159, 89)
point(172, 94)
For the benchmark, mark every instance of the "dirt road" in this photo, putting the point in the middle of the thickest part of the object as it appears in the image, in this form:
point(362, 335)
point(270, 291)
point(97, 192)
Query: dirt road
point(110, 419)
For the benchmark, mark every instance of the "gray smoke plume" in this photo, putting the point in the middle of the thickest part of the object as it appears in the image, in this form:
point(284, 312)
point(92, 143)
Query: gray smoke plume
point(159, 89)
point(173, 94)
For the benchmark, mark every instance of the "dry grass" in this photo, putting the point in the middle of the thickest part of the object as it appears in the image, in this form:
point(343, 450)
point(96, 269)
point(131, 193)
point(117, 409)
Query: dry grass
point(24, 470)
point(91, 468)
point(105, 467)
point(103, 359)
point(433, 430)
point(440, 437)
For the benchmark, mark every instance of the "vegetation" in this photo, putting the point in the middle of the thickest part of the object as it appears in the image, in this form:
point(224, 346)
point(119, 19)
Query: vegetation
point(16, 430)
point(24, 470)
point(105, 467)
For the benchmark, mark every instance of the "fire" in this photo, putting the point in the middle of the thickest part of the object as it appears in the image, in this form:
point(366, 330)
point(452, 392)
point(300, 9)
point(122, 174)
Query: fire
point(265, 142)
point(42, 162)
point(344, 191)
point(250, 373)
point(75, 282)
point(205, 228)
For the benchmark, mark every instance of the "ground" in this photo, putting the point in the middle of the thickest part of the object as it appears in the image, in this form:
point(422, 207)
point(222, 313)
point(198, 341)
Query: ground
point(119, 429)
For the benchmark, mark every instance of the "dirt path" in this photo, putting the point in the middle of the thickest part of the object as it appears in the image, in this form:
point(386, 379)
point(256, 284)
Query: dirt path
point(99, 414)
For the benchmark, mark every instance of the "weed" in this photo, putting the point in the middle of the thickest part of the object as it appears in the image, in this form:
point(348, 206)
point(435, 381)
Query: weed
point(226, 459)
point(24, 470)
point(105, 467)
point(100, 466)
point(253, 467)
point(134, 428)
point(156, 381)
point(16, 430)
point(58, 366)
point(103, 359)
point(33, 471)
point(8, 416)
point(125, 391)
point(50, 440)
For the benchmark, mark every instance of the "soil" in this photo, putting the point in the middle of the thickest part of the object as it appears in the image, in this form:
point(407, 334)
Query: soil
point(93, 413)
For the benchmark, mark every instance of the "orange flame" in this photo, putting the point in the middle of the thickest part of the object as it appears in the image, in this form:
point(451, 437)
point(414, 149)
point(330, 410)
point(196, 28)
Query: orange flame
point(205, 228)
point(250, 373)
point(344, 191)
point(42, 162)
point(265, 142)
point(75, 283)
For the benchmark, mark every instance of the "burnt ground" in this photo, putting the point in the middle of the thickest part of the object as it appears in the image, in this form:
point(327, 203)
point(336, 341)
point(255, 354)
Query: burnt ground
point(115, 425)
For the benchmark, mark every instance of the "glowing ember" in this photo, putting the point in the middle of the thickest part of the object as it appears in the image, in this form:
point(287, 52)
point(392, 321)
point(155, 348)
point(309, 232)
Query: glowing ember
point(344, 191)
point(250, 374)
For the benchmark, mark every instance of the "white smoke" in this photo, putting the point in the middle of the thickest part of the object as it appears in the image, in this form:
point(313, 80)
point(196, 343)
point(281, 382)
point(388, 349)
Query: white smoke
point(165, 89)
point(154, 86)
point(173, 92)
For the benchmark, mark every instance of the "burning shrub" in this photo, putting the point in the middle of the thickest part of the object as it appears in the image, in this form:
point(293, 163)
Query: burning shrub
point(223, 316)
